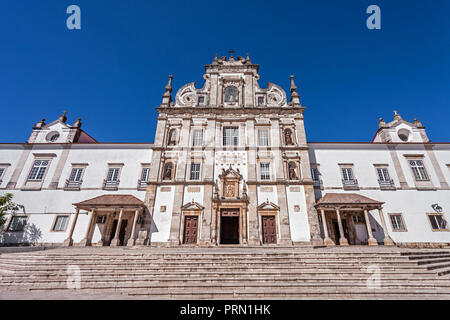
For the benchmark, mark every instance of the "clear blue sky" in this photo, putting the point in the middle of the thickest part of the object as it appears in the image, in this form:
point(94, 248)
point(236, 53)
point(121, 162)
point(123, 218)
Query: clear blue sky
point(112, 73)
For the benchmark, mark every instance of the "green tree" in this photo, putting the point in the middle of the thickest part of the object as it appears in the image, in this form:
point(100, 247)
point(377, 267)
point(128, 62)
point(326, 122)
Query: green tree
point(6, 204)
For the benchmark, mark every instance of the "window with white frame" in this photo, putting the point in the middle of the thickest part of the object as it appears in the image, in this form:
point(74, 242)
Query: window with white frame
point(113, 175)
point(38, 170)
point(17, 223)
point(60, 223)
point(75, 175)
point(263, 137)
point(144, 174)
point(437, 221)
point(265, 171)
point(383, 175)
point(2, 171)
point(230, 136)
point(418, 169)
point(195, 171)
point(397, 222)
point(198, 138)
point(347, 174)
point(357, 219)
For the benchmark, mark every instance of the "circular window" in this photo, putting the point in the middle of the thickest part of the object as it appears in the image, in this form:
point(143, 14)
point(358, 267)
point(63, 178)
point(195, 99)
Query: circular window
point(52, 136)
point(403, 134)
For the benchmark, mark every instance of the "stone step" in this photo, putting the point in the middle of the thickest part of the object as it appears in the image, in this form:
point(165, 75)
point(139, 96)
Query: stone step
point(433, 261)
point(218, 273)
point(417, 253)
point(236, 268)
point(217, 262)
point(444, 271)
point(439, 286)
point(426, 257)
point(198, 277)
point(436, 266)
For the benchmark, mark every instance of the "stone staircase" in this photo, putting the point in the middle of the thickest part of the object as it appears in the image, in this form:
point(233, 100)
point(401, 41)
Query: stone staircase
point(226, 273)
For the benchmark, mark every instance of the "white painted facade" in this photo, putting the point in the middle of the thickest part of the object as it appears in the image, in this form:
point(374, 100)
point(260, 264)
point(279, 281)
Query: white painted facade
point(230, 178)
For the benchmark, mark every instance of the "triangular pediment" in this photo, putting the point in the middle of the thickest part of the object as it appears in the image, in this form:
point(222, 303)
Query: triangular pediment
point(192, 206)
point(268, 206)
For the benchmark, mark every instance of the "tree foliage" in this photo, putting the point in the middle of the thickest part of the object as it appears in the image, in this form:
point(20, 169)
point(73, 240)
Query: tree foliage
point(6, 204)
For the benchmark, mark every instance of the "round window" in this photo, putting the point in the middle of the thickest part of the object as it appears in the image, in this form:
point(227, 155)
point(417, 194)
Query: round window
point(52, 136)
point(403, 134)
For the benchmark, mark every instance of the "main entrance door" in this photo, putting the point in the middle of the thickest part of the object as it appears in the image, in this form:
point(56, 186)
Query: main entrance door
point(190, 230)
point(229, 226)
point(269, 229)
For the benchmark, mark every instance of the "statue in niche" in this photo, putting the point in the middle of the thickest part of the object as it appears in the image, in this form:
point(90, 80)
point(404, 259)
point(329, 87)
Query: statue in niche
point(172, 140)
point(168, 168)
point(288, 137)
point(231, 94)
point(291, 168)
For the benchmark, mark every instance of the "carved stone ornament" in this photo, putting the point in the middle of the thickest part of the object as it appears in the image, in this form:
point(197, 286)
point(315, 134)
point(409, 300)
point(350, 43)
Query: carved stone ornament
point(276, 97)
point(187, 95)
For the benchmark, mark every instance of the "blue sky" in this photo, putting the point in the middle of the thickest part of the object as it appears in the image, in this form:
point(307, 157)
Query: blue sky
point(112, 72)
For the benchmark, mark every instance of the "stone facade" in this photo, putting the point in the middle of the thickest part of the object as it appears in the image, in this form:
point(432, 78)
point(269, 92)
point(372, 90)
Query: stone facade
point(230, 164)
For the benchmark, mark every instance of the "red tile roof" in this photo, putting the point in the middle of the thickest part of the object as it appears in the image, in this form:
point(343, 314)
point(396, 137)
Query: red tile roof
point(347, 198)
point(116, 200)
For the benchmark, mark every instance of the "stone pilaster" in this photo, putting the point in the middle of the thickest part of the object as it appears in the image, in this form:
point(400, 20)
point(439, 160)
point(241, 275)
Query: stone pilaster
point(285, 230)
point(253, 218)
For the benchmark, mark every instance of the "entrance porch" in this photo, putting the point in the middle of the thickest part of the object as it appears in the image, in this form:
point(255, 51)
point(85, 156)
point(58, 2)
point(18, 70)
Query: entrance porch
point(115, 216)
point(346, 221)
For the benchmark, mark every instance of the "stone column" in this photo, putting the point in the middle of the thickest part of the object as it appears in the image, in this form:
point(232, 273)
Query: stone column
point(132, 240)
point(327, 240)
point(342, 240)
point(387, 240)
point(116, 241)
point(69, 241)
point(372, 240)
point(87, 238)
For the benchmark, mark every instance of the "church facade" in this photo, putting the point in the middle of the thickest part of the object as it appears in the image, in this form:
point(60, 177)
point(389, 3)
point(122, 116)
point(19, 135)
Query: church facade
point(230, 165)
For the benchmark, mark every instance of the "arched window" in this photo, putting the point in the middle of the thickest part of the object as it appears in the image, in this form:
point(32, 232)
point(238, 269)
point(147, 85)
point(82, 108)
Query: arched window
point(292, 169)
point(168, 171)
point(172, 139)
point(288, 137)
point(231, 94)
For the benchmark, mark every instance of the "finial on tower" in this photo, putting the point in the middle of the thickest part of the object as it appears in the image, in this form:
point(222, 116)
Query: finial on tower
point(167, 98)
point(216, 60)
point(63, 117)
point(295, 97)
point(248, 59)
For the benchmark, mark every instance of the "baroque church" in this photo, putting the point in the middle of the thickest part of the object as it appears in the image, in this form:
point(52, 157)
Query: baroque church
point(230, 165)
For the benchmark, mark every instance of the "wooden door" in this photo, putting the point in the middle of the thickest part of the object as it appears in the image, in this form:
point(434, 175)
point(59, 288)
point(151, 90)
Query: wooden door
point(190, 230)
point(269, 229)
